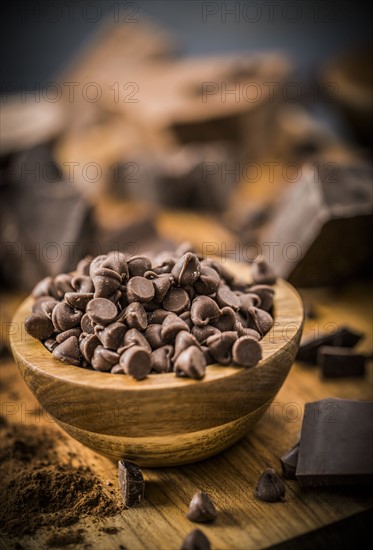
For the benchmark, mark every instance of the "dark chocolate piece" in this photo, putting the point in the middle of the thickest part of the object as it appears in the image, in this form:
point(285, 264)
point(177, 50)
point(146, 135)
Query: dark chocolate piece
point(68, 351)
point(39, 326)
point(191, 362)
point(246, 351)
point(335, 444)
point(135, 361)
point(342, 337)
point(201, 508)
point(196, 540)
point(131, 483)
point(336, 362)
point(270, 487)
point(289, 462)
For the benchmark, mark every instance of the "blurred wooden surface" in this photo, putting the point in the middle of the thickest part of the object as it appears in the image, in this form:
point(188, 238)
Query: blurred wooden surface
point(243, 522)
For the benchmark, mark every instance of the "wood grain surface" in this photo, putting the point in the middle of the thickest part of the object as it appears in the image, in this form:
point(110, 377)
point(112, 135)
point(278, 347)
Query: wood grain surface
point(243, 522)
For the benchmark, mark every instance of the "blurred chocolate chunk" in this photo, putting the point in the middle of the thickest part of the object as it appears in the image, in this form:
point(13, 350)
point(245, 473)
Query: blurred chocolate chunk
point(46, 226)
point(201, 508)
point(196, 540)
point(316, 224)
point(289, 462)
point(270, 487)
point(342, 337)
point(337, 362)
point(335, 444)
point(131, 483)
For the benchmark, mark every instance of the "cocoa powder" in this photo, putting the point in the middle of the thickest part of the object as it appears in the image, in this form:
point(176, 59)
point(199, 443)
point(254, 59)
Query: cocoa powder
point(38, 490)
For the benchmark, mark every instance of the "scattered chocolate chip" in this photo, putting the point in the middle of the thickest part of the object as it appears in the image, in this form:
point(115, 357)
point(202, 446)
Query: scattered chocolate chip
point(135, 361)
point(336, 362)
point(196, 540)
point(270, 487)
point(289, 462)
point(102, 311)
point(39, 326)
point(68, 351)
point(191, 363)
point(201, 508)
point(131, 483)
point(246, 351)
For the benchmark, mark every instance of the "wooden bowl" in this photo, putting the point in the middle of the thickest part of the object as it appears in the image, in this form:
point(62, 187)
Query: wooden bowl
point(162, 420)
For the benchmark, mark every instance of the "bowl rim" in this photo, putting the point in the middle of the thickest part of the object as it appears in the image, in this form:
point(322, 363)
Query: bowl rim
point(31, 352)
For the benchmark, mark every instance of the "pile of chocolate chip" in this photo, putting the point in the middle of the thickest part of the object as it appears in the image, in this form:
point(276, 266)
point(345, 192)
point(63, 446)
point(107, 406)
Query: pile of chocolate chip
point(173, 312)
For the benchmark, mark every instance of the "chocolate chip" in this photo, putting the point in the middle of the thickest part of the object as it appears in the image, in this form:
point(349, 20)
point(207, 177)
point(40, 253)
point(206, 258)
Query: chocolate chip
point(208, 281)
point(289, 462)
point(226, 297)
point(50, 344)
point(44, 287)
point(117, 261)
point(160, 359)
point(140, 290)
point(221, 269)
point(270, 487)
point(263, 273)
point(191, 362)
point(65, 317)
point(266, 294)
point(154, 336)
point(176, 300)
point(158, 316)
point(201, 508)
point(246, 351)
point(137, 265)
point(186, 270)
point(207, 355)
point(183, 341)
point(78, 300)
point(88, 345)
point(220, 346)
point(102, 311)
point(161, 284)
point(260, 320)
point(39, 304)
point(112, 336)
point(247, 301)
point(82, 283)
point(104, 359)
point(135, 361)
point(226, 320)
point(171, 326)
point(39, 326)
point(83, 266)
point(86, 324)
point(106, 281)
point(135, 316)
point(196, 540)
point(68, 351)
point(131, 483)
point(202, 333)
point(62, 336)
point(62, 284)
point(243, 331)
point(135, 337)
point(204, 310)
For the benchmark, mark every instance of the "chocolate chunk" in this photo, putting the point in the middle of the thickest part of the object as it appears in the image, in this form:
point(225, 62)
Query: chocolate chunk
point(68, 351)
point(160, 359)
point(270, 487)
point(220, 346)
point(153, 334)
point(171, 326)
point(208, 281)
point(140, 290)
point(196, 540)
point(226, 297)
point(289, 462)
point(226, 320)
point(266, 294)
point(246, 351)
point(112, 336)
point(65, 317)
point(201, 508)
point(336, 362)
point(137, 265)
point(135, 361)
point(88, 345)
point(186, 270)
point(131, 483)
point(342, 337)
point(176, 300)
point(104, 359)
point(78, 300)
point(202, 333)
point(260, 320)
point(102, 311)
point(191, 362)
point(204, 310)
point(39, 326)
point(263, 273)
point(135, 337)
point(135, 316)
point(335, 444)
point(183, 341)
point(62, 336)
